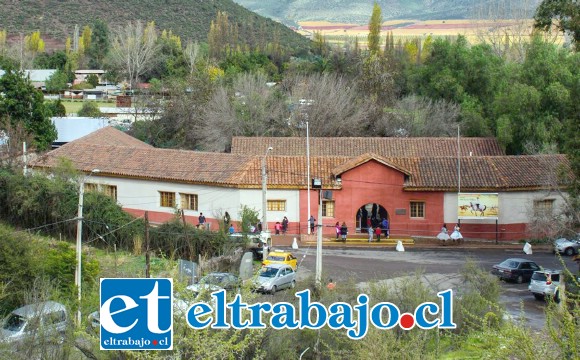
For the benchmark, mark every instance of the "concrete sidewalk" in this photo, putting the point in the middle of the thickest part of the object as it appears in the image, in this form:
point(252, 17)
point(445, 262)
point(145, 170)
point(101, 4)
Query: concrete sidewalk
point(360, 241)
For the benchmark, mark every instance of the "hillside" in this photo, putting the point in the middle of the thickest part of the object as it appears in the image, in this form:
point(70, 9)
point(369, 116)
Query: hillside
point(359, 11)
point(190, 19)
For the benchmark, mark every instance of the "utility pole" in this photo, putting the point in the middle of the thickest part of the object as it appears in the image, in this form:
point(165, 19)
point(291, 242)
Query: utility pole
point(308, 173)
point(264, 192)
point(317, 184)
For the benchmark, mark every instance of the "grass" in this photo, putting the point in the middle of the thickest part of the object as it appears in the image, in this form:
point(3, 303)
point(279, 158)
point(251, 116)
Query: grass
point(73, 107)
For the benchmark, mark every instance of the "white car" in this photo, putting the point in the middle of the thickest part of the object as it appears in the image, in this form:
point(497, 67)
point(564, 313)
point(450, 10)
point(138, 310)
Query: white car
point(545, 284)
point(49, 319)
point(567, 246)
point(274, 277)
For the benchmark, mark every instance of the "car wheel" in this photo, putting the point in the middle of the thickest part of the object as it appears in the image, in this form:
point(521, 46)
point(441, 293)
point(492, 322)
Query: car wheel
point(520, 279)
point(293, 284)
point(274, 289)
point(569, 251)
point(538, 297)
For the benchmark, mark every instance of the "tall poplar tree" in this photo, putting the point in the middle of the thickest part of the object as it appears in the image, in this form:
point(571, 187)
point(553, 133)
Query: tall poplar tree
point(374, 37)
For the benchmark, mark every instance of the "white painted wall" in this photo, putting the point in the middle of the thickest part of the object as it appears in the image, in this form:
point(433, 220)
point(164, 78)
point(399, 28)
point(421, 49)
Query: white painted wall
point(212, 201)
point(514, 207)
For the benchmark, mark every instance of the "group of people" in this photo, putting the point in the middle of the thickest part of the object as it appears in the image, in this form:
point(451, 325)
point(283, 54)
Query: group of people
point(378, 230)
point(283, 226)
point(455, 235)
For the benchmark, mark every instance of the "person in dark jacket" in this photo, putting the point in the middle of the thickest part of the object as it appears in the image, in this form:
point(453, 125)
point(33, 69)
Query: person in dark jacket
point(343, 231)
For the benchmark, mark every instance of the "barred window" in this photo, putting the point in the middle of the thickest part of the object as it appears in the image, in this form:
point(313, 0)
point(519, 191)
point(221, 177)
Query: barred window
point(328, 208)
point(417, 209)
point(109, 190)
point(276, 205)
point(167, 199)
point(90, 187)
point(189, 202)
point(543, 207)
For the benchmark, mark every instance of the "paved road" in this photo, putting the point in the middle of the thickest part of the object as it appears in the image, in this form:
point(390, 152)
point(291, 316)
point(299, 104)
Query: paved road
point(362, 265)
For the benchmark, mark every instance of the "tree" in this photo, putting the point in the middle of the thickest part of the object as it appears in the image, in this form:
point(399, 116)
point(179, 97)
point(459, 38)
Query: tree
point(56, 108)
point(22, 103)
point(99, 45)
point(563, 14)
point(191, 53)
point(56, 82)
point(90, 109)
point(134, 48)
point(374, 37)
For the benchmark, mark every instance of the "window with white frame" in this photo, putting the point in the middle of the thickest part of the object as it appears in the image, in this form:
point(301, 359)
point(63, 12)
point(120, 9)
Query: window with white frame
point(276, 205)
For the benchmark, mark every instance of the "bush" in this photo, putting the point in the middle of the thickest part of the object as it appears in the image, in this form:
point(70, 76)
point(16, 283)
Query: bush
point(90, 109)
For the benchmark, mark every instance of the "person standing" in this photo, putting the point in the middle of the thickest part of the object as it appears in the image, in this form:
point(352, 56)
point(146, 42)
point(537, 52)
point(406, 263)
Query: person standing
point(371, 232)
point(443, 235)
point(201, 220)
point(385, 227)
point(337, 227)
point(456, 235)
point(311, 222)
point(284, 225)
point(277, 227)
point(231, 229)
point(227, 220)
point(343, 231)
point(378, 233)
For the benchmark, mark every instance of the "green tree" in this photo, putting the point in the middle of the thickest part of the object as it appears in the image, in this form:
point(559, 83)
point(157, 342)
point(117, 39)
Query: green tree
point(56, 108)
point(23, 104)
point(90, 109)
point(57, 82)
point(99, 45)
point(374, 37)
point(54, 60)
point(93, 80)
point(564, 14)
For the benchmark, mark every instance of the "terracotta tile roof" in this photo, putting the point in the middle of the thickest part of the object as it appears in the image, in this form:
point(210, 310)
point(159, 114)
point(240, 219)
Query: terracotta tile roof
point(478, 173)
point(355, 146)
point(111, 136)
point(152, 163)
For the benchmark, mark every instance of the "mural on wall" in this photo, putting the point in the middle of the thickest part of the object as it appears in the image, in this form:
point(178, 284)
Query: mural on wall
point(477, 206)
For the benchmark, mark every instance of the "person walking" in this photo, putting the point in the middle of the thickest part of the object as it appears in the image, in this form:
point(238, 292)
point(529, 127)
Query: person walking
point(371, 232)
point(337, 227)
point(343, 231)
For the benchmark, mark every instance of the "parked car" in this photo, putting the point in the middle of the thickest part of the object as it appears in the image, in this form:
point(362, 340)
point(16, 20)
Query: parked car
point(545, 284)
point(255, 242)
point(216, 281)
point(515, 269)
point(568, 246)
point(274, 277)
point(281, 257)
point(48, 319)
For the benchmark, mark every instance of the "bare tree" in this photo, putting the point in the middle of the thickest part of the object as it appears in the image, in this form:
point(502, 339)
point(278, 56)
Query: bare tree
point(506, 26)
point(191, 53)
point(418, 116)
point(329, 103)
point(134, 48)
point(249, 108)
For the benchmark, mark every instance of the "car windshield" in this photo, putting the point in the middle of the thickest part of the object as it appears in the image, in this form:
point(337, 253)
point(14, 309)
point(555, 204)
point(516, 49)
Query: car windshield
point(539, 276)
point(268, 272)
point(212, 280)
point(512, 264)
point(14, 323)
point(276, 258)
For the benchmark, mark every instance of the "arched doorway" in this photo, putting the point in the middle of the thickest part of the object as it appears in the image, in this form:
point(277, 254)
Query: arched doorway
point(373, 212)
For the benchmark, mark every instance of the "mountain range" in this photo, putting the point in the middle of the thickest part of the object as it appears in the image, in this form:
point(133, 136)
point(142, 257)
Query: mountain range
point(190, 19)
point(359, 11)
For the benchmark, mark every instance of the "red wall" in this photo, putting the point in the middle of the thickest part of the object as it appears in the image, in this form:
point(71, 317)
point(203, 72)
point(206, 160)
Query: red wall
point(373, 182)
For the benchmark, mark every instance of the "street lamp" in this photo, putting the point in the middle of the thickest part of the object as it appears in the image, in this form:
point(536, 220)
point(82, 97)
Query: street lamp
point(264, 189)
point(78, 277)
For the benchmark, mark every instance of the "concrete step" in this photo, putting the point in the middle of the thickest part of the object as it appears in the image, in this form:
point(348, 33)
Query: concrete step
point(362, 242)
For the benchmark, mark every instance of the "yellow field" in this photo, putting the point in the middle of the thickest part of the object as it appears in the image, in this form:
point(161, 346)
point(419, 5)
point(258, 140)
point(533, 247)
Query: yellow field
point(473, 30)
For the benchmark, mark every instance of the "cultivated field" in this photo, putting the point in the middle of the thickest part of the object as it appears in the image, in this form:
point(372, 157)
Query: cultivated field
point(473, 30)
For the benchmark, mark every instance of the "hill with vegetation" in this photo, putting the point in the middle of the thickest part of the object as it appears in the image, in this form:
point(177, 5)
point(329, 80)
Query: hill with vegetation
point(359, 11)
point(189, 19)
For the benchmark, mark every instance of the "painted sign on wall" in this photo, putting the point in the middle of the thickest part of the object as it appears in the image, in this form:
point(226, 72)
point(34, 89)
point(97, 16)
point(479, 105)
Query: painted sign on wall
point(477, 206)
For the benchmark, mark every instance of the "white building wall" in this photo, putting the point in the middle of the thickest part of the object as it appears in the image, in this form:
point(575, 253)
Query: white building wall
point(212, 201)
point(253, 198)
point(514, 207)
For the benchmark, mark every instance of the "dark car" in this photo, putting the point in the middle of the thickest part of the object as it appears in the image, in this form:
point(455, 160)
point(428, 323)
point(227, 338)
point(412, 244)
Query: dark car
point(515, 269)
